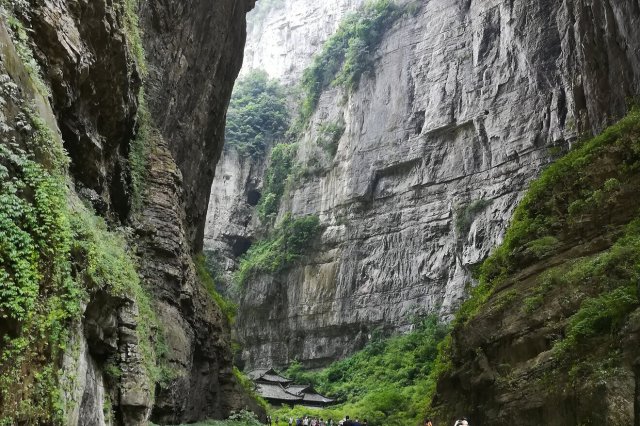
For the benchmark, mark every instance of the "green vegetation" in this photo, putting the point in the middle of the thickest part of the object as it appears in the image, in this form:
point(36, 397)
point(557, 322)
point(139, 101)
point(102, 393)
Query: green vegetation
point(38, 295)
point(53, 252)
point(249, 387)
point(257, 114)
point(567, 194)
point(280, 250)
point(607, 285)
point(228, 308)
point(50, 256)
point(347, 54)
point(585, 199)
point(11, 9)
point(147, 136)
point(329, 136)
point(385, 383)
point(467, 214)
point(108, 266)
point(239, 418)
point(134, 34)
point(570, 199)
point(281, 164)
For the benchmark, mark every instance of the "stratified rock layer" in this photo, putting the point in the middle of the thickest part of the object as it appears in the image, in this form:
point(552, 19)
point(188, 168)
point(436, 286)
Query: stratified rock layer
point(467, 102)
point(193, 53)
point(196, 51)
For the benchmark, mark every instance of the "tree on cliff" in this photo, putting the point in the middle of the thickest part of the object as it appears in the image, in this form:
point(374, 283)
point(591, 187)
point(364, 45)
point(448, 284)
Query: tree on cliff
point(257, 114)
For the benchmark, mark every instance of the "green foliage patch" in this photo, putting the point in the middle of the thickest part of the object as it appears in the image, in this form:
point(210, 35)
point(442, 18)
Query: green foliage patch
point(281, 164)
point(147, 136)
point(587, 196)
point(385, 383)
point(280, 250)
point(53, 251)
point(134, 33)
point(228, 308)
point(467, 214)
point(107, 265)
point(347, 54)
point(9, 10)
point(609, 283)
point(329, 135)
point(38, 295)
point(257, 115)
point(569, 198)
point(249, 387)
point(237, 418)
point(51, 254)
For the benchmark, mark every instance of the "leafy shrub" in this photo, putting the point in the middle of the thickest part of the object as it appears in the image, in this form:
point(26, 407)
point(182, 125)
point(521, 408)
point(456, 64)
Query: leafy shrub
point(542, 247)
point(329, 136)
point(39, 296)
point(257, 114)
point(347, 54)
point(600, 315)
point(228, 308)
point(281, 163)
point(386, 383)
point(286, 244)
point(467, 214)
point(236, 418)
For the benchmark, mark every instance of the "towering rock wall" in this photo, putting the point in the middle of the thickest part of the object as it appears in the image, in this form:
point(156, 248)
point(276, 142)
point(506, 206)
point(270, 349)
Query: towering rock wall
point(283, 35)
point(87, 54)
point(467, 102)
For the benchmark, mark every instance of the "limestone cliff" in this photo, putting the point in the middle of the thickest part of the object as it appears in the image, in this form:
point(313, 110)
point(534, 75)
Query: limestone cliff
point(285, 34)
point(466, 104)
point(136, 334)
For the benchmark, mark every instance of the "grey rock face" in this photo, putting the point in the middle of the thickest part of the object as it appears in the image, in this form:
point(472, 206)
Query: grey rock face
point(200, 68)
point(283, 38)
point(83, 49)
point(467, 103)
point(194, 53)
point(231, 224)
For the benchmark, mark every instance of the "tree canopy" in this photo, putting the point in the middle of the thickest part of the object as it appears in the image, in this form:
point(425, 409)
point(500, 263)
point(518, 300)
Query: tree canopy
point(257, 114)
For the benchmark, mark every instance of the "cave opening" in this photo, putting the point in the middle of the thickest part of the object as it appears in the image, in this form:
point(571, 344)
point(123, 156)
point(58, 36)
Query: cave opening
point(240, 246)
point(253, 197)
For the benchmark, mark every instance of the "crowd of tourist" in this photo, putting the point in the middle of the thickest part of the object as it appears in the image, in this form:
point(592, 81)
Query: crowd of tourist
point(314, 421)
